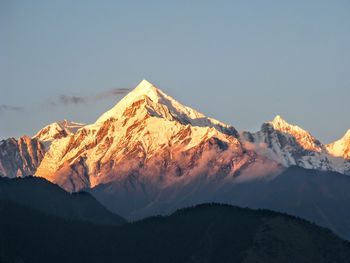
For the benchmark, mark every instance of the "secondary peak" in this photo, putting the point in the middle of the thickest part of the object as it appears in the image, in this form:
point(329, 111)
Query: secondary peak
point(279, 121)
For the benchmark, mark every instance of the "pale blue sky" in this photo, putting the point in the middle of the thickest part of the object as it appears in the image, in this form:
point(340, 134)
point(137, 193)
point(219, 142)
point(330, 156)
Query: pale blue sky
point(241, 62)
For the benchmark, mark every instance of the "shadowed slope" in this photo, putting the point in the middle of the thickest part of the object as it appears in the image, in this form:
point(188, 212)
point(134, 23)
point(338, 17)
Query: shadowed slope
point(51, 199)
point(319, 196)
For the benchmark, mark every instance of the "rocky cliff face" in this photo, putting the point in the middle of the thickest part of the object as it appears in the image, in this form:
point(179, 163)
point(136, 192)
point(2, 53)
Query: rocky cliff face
point(57, 130)
point(20, 157)
point(291, 145)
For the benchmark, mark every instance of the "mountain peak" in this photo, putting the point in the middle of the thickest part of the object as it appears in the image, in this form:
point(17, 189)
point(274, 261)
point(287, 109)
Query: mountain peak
point(279, 123)
point(58, 130)
point(278, 118)
point(144, 85)
point(162, 105)
point(303, 137)
point(145, 88)
point(347, 135)
point(341, 147)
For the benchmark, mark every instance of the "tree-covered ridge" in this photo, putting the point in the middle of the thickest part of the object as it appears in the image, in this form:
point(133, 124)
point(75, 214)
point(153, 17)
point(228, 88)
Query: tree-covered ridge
point(204, 233)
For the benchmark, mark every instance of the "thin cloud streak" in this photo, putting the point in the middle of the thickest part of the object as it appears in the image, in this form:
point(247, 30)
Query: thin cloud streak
point(65, 100)
point(113, 92)
point(71, 100)
point(75, 100)
point(7, 108)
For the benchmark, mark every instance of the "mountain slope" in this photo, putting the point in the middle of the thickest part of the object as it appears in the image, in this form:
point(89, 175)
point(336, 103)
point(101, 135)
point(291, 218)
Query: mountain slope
point(206, 233)
point(340, 149)
point(319, 196)
point(51, 199)
point(322, 197)
point(19, 158)
point(57, 130)
point(291, 145)
point(151, 137)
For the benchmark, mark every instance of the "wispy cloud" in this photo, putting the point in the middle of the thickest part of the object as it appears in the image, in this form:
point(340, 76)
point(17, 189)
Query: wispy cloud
point(75, 100)
point(65, 100)
point(69, 100)
point(6, 108)
point(112, 92)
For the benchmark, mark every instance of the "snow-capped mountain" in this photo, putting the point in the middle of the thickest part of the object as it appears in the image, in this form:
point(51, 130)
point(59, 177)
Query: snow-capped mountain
point(341, 147)
point(340, 150)
point(57, 130)
point(20, 157)
point(149, 152)
point(149, 136)
point(291, 145)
